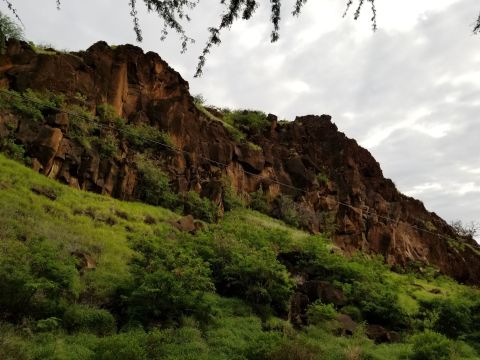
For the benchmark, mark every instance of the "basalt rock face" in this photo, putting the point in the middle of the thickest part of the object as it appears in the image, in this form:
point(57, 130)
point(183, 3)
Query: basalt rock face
point(336, 185)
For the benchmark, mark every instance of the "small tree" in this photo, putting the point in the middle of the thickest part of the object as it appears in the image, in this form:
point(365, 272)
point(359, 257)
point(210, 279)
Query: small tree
point(470, 229)
point(8, 30)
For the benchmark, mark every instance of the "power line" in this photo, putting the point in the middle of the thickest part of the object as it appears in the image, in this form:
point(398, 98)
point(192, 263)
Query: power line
point(367, 212)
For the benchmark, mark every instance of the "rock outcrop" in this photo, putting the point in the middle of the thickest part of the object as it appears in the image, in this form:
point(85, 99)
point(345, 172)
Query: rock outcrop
point(337, 186)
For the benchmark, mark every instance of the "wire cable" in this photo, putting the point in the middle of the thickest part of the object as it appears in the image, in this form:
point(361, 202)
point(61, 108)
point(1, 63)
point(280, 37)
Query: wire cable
point(367, 212)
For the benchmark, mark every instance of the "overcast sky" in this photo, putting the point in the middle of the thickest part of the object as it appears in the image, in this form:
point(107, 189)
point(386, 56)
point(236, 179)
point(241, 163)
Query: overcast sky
point(409, 92)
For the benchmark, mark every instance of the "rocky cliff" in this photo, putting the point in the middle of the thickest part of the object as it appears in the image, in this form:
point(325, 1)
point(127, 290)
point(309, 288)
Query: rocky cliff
point(335, 184)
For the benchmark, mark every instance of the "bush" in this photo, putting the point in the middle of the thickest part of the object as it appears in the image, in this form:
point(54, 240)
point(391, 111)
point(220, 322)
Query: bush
point(84, 318)
point(31, 104)
point(107, 145)
point(198, 99)
point(352, 311)
point(154, 185)
point(253, 275)
point(288, 211)
point(293, 350)
point(248, 120)
point(231, 200)
point(236, 337)
point(82, 125)
point(170, 281)
point(12, 150)
point(431, 346)
point(9, 29)
point(143, 136)
point(185, 343)
point(259, 201)
point(12, 346)
point(318, 312)
point(35, 277)
point(125, 346)
point(378, 303)
point(106, 113)
point(18, 285)
point(200, 207)
point(50, 324)
point(454, 317)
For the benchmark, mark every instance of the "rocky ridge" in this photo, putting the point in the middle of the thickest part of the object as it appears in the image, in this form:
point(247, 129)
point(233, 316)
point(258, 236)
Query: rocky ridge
point(336, 184)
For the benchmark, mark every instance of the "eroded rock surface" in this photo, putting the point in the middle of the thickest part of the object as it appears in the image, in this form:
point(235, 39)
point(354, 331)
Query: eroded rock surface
point(343, 190)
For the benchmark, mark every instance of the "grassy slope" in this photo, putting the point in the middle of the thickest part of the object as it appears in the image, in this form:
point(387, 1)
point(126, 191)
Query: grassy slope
point(103, 227)
point(75, 221)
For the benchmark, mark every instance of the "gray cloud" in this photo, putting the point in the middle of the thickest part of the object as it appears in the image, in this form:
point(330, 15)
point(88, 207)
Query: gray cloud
point(410, 95)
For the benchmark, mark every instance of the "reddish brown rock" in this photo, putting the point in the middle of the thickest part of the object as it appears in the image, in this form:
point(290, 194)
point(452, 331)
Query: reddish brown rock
point(84, 261)
point(186, 224)
point(323, 291)
point(337, 186)
point(346, 326)
point(381, 335)
point(297, 311)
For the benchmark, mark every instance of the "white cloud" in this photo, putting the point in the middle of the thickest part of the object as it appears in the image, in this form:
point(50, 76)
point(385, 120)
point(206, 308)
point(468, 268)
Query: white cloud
point(420, 189)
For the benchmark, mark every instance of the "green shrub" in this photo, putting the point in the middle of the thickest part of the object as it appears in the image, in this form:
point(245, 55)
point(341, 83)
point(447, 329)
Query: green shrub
point(13, 151)
point(31, 104)
point(55, 271)
point(288, 210)
point(352, 311)
point(378, 303)
point(248, 120)
point(284, 327)
point(142, 137)
point(108, 145)
point(82, 125)
point(125, 346)
point(35, 277)
point(293, 350)
point(239, 337)
point(184, 343)
point(454, 317)
point(106, 113)
point(50, 324)
point(431, 346)
point(170, 282)
point(253, 275)
point(231, 199)
point(199, 99)
point(259, 201)
point(200, 207)
point(12, 346)
point(154, 185)
point(9, 30)
point(322, 178)
point(318, 312)
point(236, 134)
point(88, 319)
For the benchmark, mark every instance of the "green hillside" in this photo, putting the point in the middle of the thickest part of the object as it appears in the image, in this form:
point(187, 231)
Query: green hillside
point(85, 276)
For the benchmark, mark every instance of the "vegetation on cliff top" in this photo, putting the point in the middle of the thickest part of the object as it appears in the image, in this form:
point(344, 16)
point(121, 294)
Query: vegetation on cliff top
point(89, 277)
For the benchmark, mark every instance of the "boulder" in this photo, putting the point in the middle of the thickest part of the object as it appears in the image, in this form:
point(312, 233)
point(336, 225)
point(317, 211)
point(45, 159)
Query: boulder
point(379, 334)
point(186, 224)
point(251, 158)
point(46, 144)
point(346, 326)
point(297, 311)
point(323, 291)
point(84, 261)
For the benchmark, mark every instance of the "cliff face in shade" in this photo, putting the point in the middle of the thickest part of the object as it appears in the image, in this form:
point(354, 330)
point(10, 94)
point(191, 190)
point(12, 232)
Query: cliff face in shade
point(142, 88)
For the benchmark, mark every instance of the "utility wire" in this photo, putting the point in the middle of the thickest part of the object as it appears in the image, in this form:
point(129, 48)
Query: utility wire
point(367, 212)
